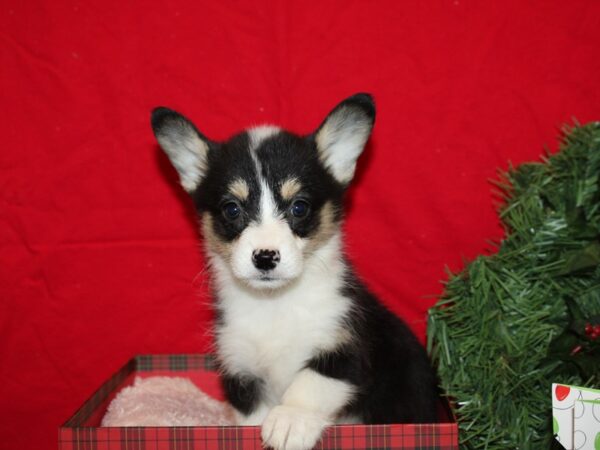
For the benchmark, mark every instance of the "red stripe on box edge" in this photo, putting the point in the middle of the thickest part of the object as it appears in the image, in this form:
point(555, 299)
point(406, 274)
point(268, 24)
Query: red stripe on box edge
point(441, 436)
point(397, 436)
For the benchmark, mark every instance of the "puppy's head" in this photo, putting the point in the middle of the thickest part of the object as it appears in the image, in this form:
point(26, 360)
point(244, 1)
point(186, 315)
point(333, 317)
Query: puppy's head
point(268, 198)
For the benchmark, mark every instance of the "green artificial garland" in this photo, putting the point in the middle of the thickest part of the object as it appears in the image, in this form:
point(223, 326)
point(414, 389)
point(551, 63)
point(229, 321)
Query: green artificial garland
point(513, 322)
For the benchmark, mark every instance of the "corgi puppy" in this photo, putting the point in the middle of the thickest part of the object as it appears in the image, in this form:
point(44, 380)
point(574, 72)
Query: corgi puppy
point(300, 341)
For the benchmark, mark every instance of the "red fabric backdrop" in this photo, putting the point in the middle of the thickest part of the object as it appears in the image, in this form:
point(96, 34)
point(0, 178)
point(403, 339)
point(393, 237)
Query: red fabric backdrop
point(99, 257)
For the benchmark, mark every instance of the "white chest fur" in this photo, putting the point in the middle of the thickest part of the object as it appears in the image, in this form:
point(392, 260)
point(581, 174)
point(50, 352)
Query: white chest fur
point(273, 335)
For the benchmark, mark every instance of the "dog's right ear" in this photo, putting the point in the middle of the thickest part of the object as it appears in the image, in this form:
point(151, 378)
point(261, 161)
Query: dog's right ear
point(185, 146)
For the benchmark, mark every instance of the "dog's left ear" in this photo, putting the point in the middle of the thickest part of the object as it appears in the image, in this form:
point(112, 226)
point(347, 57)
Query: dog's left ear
point(341, 138)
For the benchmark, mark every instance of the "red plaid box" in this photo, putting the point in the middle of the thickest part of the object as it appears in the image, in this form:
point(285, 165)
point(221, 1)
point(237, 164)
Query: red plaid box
point(83, 432)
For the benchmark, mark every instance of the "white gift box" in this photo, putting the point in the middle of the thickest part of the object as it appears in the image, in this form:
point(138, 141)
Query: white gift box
point(576, 417)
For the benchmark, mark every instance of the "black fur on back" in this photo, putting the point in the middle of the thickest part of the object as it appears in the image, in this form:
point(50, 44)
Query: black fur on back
point(395, 379)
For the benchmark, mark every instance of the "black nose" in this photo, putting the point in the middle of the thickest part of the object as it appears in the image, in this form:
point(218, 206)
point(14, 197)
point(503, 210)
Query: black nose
point(265, 259)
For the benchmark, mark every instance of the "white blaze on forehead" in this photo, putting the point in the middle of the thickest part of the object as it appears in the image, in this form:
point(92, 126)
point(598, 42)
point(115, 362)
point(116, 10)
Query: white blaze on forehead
point(260, 133)
point(268, 207)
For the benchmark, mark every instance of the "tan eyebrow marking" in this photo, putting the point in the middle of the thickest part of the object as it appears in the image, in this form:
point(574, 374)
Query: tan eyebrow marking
point(240, 189)
point(290, 188)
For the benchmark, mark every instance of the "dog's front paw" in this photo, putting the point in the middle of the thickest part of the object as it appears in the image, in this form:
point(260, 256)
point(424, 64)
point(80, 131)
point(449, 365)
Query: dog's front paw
point(289, 428)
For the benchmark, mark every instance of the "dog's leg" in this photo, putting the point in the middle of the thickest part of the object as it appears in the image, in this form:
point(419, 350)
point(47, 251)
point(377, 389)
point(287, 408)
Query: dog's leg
point(256, 417)
point(244, 392)
point(310, 404)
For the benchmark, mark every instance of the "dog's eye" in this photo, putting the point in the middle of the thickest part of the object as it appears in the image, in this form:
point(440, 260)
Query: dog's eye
point(231, 210)
point(299, 208)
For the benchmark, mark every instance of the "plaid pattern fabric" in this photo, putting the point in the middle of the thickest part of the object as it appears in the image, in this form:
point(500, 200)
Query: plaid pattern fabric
point(101, 395)
point(73, 435)
point(174, 363)
point(358, 437)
